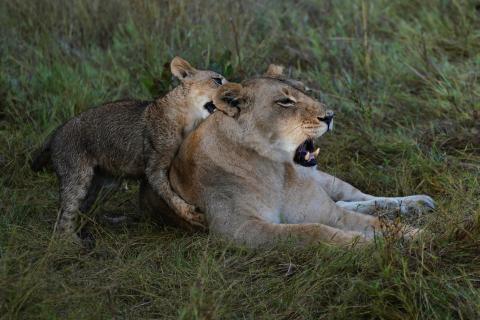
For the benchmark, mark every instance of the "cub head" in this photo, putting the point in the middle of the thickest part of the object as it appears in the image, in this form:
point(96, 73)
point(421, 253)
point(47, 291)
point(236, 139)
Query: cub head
point(199, 85)
point(277, 116)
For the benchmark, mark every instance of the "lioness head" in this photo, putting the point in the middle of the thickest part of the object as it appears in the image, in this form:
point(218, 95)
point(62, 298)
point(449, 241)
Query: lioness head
point(276, 111)
point(199, 85)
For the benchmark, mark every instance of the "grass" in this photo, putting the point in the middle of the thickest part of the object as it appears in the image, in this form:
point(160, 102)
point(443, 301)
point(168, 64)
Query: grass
point(403, 78)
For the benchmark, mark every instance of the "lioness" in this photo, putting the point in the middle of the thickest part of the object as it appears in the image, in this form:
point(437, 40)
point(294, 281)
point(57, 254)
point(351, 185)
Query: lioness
point(128, 138)
point(241, 172)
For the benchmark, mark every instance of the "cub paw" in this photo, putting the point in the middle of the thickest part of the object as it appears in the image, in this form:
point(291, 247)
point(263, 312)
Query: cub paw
point(83, 238)
point(194, 217)
point(86, 239)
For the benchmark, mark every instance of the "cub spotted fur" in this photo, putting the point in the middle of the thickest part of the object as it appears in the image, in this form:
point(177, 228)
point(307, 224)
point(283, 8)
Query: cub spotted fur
point(131, 139)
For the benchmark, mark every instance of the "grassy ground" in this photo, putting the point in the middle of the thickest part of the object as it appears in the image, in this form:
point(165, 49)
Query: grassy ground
point(403, 77)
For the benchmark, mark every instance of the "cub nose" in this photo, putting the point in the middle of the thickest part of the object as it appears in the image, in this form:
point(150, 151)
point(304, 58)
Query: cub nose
point(327, 118)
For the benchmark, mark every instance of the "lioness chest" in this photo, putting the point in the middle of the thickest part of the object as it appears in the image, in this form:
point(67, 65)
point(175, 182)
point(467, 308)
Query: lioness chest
point(276, 190)
point(258, 183)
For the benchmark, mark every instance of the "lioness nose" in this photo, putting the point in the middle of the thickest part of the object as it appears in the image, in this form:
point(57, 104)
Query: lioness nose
point(327, 118)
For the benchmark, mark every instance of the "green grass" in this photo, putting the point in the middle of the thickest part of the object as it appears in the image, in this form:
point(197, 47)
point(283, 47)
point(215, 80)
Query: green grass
point(403, 78)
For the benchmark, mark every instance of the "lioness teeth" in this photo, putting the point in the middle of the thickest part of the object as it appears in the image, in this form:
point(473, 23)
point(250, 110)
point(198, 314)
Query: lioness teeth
point(307, 156)
point(316, 152)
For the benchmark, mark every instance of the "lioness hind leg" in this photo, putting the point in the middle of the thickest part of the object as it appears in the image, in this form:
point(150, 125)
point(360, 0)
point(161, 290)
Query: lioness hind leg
point(372, 226)
point(257, 233)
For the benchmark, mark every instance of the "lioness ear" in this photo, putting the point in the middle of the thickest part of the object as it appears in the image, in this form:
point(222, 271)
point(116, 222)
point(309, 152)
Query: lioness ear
point(181, 68)
point(274, 70)
point(229, 98)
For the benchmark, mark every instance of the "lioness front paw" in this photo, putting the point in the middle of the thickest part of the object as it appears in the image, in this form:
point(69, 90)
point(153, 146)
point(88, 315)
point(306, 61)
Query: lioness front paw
point(348, 238)
point(418, 203)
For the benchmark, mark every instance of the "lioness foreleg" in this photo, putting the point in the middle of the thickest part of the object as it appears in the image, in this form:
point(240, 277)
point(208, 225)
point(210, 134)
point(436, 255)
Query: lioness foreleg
point(258, 233)
point(404, 204)
point(351, 198)
point(336, 188)
point(310, 203)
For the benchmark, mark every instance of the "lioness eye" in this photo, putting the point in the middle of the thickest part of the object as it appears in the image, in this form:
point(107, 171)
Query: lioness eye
point(217, 81)
point(285, 102)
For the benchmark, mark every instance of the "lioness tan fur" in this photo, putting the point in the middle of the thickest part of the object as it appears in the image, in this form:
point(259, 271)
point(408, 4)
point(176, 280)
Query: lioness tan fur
point(128, 139)
point(240, 172)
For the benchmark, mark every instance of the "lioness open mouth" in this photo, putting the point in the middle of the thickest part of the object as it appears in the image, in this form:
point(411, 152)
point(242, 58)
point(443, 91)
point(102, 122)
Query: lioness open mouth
point(210, 107)
point(306, 153)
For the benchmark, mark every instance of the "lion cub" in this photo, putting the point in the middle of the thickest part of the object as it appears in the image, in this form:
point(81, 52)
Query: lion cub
point(131, 139)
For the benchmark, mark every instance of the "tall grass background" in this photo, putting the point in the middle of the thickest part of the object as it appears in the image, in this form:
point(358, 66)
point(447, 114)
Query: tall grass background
point(403, 78)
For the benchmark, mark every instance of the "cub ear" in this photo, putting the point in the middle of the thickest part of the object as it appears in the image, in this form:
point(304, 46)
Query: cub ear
point(229, 98)
point(274, 70)
point(181, 68)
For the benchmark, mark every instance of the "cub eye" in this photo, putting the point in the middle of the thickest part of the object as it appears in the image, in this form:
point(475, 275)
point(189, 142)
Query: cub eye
point(217, 81)
point(285, 102)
